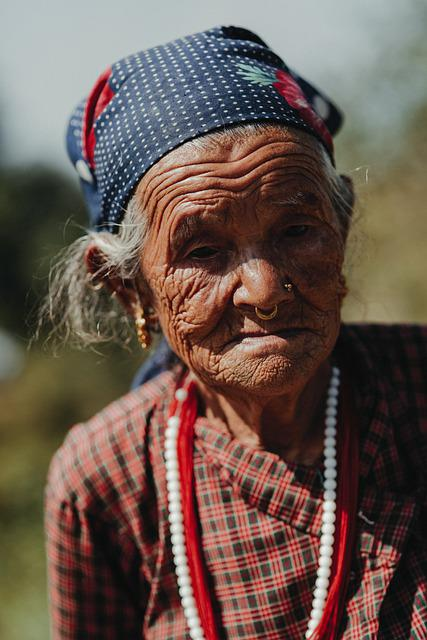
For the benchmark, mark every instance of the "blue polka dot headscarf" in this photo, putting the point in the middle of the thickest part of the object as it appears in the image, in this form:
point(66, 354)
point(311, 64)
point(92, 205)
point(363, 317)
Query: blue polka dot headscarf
point(153, 101)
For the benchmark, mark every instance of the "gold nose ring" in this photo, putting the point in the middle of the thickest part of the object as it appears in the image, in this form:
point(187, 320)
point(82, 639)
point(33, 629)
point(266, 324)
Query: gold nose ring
point(266, 316)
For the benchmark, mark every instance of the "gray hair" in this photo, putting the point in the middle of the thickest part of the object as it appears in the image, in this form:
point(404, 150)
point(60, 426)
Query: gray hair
point(79, 312)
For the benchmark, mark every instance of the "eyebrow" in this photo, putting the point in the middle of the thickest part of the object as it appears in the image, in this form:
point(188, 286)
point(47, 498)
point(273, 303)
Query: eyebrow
point(202, 223)
point(196, 224)
point(300, 197)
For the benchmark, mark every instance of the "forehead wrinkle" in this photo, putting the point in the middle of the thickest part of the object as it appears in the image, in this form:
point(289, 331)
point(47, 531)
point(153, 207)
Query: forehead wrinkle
point(163, 177)
point(272, 152)
point(176, 160)
point(228, 174)
point(166, 189)
point(207, 195)
point(242, 185)
point(221, 196)
point(280, 188)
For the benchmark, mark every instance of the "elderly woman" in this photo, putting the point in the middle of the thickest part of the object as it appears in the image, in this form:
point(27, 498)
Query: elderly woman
point(268, 478)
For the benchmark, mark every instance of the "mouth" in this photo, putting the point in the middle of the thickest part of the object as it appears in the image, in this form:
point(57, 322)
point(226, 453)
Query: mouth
point(260, 338)
point(284, 333)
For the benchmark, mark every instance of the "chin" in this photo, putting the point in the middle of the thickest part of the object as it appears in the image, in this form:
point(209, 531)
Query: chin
point(270, 375)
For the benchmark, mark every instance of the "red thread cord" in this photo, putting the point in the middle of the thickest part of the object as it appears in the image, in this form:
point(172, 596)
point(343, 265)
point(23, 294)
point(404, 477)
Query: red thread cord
point(348, 474)
point(191, 523)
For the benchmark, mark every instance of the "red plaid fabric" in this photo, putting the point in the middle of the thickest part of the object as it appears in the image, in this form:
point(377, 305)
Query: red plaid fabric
point(108, 540)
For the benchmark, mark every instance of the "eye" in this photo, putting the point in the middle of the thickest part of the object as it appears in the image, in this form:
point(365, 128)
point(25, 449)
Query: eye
point(296, 230)
point(203, 253)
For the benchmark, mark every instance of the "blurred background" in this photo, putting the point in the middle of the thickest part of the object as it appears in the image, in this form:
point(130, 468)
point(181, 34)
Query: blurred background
point(370, 56)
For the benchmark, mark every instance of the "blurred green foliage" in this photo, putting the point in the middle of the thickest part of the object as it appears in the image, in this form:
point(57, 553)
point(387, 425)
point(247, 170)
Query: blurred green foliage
point(35, 203)
point(41, 211)
point(386, 257)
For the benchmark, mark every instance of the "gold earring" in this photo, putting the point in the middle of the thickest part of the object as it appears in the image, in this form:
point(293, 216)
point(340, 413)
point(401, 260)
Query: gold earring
point(288, 286)
point(142, 331)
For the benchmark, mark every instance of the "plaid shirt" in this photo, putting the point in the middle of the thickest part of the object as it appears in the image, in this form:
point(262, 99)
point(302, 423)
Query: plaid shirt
point(111, 572)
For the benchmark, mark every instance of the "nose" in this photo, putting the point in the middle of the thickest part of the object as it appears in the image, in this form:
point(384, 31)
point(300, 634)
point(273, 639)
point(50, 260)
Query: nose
point(262, 285)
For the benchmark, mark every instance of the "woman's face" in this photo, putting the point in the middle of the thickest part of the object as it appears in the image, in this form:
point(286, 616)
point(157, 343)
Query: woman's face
point(228, 227)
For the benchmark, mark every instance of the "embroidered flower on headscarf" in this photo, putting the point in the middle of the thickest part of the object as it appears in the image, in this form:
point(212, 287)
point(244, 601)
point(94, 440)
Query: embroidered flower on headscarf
point(290, 90)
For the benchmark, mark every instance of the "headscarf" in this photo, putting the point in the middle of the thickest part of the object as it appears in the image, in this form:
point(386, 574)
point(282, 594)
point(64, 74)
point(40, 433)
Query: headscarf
point(149, 103)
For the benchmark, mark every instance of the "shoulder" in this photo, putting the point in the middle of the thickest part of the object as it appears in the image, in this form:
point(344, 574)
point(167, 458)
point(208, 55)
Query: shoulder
point(401, 347)
point(394, 355)
point(391, 336)
point(105, 460)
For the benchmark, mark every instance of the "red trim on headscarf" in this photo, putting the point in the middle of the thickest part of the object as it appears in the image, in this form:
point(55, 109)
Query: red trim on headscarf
point(98, 99)
point(289, 89)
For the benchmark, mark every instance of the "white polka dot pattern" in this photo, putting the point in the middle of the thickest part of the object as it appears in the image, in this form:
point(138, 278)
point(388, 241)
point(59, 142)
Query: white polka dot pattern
point(172, 93)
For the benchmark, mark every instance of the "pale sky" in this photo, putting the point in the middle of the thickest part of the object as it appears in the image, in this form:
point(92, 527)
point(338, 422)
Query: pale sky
point(52, 51)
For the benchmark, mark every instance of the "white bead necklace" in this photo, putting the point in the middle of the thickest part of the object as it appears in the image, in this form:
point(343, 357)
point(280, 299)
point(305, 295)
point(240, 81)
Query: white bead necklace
point(176, 519)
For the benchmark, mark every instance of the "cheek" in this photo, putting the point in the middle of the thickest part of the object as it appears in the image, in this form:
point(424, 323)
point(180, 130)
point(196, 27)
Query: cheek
point(316, 269)
point(189, 303)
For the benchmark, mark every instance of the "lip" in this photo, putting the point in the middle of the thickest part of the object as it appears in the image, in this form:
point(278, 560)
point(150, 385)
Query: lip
point(266, 340)
point(283, 333)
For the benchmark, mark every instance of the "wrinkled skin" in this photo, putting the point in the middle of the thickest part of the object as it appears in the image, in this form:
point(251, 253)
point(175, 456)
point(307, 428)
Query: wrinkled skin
point(227, 228)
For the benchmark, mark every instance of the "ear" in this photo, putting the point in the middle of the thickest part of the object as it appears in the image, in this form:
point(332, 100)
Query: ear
point(129, 292)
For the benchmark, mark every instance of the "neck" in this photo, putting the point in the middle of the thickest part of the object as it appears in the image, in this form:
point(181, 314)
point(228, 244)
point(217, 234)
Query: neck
point(290, 425)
